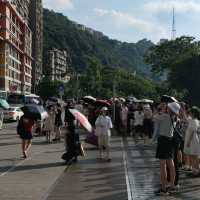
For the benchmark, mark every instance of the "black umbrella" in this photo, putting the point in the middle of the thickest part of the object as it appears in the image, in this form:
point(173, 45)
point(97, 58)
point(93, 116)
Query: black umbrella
point(33, 111)
point(168, 99)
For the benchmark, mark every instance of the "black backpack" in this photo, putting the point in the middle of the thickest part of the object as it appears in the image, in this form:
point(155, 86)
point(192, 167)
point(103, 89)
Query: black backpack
point(20, 127)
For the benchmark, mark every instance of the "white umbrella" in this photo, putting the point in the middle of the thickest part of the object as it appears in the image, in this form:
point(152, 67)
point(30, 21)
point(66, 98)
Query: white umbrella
point(89, 99)
point(146, 101)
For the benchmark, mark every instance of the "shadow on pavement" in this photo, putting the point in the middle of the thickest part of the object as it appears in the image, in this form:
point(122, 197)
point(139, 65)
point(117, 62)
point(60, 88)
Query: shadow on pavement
point(32, 167)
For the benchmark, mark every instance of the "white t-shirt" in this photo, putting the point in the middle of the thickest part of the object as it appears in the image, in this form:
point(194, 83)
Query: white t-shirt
point(103, 125)
point(139, 118)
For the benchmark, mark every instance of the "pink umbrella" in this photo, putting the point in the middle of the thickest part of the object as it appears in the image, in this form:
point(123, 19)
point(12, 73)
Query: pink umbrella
point(82, 119)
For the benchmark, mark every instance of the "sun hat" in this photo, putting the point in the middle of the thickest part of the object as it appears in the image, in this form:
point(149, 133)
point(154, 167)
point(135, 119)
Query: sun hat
point(174, 107)
point(104, 109)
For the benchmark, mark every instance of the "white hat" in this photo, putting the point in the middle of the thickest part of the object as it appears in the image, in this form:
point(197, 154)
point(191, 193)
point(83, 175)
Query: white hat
point(104, 109)
point(146, 106)
point(174, 107)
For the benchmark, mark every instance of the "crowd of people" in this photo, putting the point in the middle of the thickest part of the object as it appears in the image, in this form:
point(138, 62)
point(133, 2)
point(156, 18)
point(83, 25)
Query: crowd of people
point(176, 130)
point(172, 125)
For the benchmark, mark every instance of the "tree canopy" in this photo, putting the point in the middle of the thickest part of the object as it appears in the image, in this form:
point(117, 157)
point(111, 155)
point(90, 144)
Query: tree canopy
point(163, 56)
point(180, 60)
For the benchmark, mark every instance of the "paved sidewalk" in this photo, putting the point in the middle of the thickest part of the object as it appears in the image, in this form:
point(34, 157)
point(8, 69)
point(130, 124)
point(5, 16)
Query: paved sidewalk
point(133, 173)
point(28, 179)
point(91, 179)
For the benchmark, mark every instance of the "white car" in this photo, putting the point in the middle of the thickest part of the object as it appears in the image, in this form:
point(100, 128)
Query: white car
point(13, 113)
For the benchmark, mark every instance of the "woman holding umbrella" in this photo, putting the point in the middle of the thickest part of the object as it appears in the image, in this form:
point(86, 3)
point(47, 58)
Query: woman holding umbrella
point(24, 129)
point(70, 137)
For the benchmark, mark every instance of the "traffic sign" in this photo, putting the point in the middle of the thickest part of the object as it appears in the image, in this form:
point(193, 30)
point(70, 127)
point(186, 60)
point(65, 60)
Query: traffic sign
point(61, 90)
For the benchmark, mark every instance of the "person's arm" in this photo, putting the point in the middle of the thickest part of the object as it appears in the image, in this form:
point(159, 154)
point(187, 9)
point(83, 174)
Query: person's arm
point(155, 130)
point(110, 123)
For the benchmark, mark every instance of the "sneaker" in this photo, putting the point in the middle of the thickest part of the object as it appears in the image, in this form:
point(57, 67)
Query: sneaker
point(161, 192)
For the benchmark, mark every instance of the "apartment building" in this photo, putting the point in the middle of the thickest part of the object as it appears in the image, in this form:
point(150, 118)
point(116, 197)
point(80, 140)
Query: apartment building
point(22, 7)
point(32, 12)
point(15, 50)
point(36, 25)
point(57, 65)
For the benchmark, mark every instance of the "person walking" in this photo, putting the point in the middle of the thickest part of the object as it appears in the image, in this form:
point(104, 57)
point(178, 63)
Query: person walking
point(71, 138)
point(148, 122)
point(49, 124)
point(124, 117)
point(103, 125)
point(138, 123)
point(58, 123)
point(165, 148)
point(24, 130)
point(192, 141)
point(117, 122)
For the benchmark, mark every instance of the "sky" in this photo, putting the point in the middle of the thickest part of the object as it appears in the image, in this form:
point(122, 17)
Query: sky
point(133, 20)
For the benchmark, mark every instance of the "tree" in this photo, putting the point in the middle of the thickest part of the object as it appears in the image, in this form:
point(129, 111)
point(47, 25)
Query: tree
point(185, 77)
point(48, 88)
point(180, 59)
point(162, 57)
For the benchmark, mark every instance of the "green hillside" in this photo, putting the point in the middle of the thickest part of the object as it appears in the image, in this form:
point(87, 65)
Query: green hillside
point(82, 43)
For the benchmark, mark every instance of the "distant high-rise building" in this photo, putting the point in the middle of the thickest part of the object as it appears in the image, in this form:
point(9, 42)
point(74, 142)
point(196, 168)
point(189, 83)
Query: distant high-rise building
point(57, 65)
point(36, 25)
point(15, 50)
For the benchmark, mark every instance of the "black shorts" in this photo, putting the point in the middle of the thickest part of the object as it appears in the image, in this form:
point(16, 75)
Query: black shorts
point(165, 148)
point(26, 136)
point(148, 127)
